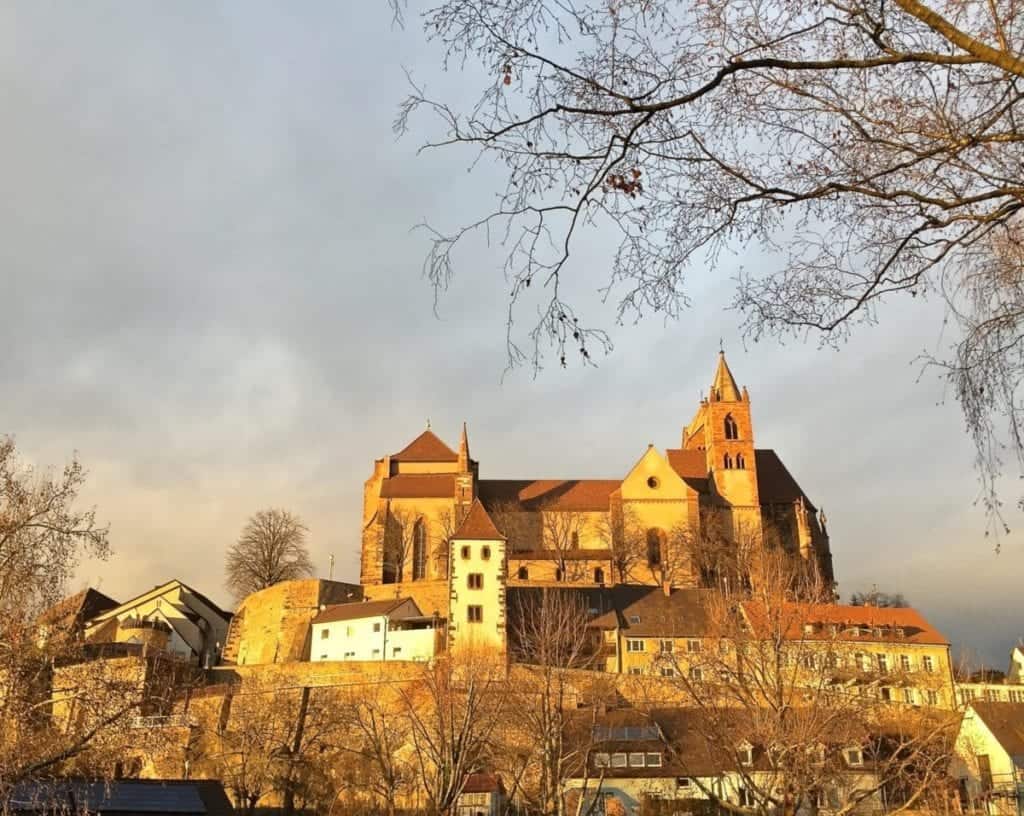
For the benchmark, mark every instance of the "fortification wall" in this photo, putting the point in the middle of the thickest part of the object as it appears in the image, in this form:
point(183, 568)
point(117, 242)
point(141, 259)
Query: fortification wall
point(272, 625)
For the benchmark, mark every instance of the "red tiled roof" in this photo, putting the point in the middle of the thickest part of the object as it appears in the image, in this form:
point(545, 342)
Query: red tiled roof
point(793, 616)
point(361, 609)
point(419, 486)
point(483, 783)
point(426, 448)
point(581, 495)
point(477, 525)
point(692, 467)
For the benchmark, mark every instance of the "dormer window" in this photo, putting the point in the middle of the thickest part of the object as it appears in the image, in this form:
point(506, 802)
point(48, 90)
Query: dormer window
point(732, 431)
point(634, 619)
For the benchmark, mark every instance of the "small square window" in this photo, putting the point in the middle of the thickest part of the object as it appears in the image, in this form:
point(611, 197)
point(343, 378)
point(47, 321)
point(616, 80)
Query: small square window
point(376, 627)
point(602, 761)
point(854, 756)
point(683, 782)
point(618, 760)
point(666, 646)
point(696, 675)
point(485, 553)
point(475, 580)
point(635, 670)
point(465, 553)
point(325, 633)
point(653, 759)
point(634, 619)
point(693, 646)
point(668, 671)
point(474, 614)
point(636, 760)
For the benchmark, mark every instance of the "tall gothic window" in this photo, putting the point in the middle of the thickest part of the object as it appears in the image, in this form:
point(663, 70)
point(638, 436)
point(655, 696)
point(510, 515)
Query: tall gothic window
point(654, 539)
point(740, 462)
point(731, 429)
point(727, 462)
point(419, 551)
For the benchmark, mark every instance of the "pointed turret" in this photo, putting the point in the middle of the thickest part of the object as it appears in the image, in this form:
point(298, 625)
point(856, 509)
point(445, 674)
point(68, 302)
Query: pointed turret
point(724, 388)
point(464, 450)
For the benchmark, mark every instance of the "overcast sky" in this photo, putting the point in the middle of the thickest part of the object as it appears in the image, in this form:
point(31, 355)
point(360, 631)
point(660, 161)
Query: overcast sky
point(211, 290)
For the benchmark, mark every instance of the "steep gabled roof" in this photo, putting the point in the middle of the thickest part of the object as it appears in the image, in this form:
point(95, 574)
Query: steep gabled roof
point(362, 609)
point(724, 385)
point(1006, 722)
point(78, 608)
point(775, 484)
point(576, 495)
point(477, 525)
point(483, 783)
point(426, 447)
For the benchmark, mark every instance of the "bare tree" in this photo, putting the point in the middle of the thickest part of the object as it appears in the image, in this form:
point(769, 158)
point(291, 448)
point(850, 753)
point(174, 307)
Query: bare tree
point(399, 542)
point(626, 540)
point(549, 631)
point(874, 597)
point(871, 148)
point(453, 708)
point(779, 698)
point(42, 533)
point(520, 526)
point(272, 548)
point(60, 710)
point(561, 531)
point(377, 733)
point(270, 738)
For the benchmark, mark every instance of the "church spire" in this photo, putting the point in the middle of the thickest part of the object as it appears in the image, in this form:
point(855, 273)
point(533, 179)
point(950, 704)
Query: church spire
point(464, 450)
point(724, 388)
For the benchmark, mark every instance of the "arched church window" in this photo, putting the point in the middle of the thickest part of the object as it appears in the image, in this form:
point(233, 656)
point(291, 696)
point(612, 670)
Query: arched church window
point(419, 550)
point(523, 574)
point(727, 462)
point(732, 431)
point(740, 462)
point(654, 542)
point(598, 575)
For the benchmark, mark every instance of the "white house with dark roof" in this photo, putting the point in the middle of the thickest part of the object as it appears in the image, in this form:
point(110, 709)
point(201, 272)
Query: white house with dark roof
point(989, 762)
point(374, 630)
point(172, 617)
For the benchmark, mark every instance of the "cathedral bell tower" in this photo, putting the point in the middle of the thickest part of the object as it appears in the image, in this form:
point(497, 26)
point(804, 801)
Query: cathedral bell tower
point(723, 429)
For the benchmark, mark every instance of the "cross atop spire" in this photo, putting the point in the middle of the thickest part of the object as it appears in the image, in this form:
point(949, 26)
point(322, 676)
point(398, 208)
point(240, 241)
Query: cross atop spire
point(724, 388)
